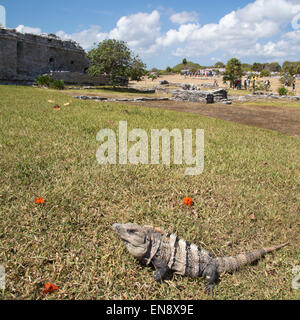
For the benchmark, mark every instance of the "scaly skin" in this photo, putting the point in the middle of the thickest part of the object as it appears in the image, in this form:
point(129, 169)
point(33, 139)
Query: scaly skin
point(169, 254)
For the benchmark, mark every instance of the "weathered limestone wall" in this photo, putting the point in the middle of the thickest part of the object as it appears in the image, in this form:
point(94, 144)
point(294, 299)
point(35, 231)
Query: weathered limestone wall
point(23, 57)
point(8, 56)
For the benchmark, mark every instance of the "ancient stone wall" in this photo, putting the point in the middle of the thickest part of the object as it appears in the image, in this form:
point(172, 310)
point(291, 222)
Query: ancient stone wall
point(23, 57)
point(194, 95)
point(83, 79)
point(8, 55)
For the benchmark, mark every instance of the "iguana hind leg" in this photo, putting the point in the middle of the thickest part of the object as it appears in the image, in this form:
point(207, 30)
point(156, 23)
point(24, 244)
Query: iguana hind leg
point(211, 277)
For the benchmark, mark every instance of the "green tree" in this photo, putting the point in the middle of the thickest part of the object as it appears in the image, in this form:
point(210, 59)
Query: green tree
point(258, 67)
point(114, 58)
point(219, 64)
point(184, 61)
point(246, 67)
point(273, 67)
point(291, 67)
point(137, 70)
point(233, 71)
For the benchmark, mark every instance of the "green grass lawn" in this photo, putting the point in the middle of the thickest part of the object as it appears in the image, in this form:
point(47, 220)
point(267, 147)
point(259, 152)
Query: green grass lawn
point(235, 92)
point(273, 103)
point(248, 197)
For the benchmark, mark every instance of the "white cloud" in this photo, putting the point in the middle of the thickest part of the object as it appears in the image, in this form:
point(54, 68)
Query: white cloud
point(241, 32)
point(22, 29)
point(256, 30)
point(139, 30)
point(86, 38)
point(184, 17)
point(183, 34)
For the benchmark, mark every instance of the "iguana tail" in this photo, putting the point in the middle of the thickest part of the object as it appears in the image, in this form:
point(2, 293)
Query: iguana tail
point(233, 263)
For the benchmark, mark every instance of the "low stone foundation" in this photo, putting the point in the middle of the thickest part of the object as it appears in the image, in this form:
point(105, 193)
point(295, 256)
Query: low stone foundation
point(142, 99)
point(83, 79)
point(200, 95)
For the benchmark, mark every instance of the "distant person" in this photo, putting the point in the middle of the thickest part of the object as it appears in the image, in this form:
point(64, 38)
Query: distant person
point(240, 85)
point(294, 86)
point(266, 85)
point(246, 84)
point(216, 83)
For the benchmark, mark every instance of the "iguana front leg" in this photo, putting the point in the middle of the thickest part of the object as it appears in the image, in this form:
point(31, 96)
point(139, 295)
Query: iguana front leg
point(162, 270)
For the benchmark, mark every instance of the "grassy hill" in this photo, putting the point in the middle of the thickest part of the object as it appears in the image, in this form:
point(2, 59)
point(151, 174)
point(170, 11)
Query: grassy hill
point(190, 66)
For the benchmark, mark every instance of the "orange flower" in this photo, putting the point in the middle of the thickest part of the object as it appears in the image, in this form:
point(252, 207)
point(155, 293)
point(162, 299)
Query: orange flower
point(188, 201)
point(39, 200)
point(50, 288)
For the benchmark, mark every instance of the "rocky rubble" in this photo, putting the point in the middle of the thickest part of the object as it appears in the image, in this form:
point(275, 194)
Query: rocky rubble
point(187, 86)
point(261, 96)
point(193, 95)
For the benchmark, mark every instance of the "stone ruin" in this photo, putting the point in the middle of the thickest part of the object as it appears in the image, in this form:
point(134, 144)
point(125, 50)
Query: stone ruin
point(24, 57)
point(190, 92)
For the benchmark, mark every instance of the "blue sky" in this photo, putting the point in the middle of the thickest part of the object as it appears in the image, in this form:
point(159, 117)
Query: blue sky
point(165, 32)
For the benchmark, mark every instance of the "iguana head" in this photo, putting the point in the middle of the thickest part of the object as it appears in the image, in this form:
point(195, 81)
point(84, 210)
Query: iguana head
point(134, 237)
point(141, 242)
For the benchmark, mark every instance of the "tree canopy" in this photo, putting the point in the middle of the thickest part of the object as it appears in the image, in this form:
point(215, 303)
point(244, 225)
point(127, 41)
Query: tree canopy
point(291, 67)
point(219, 64)
point(114, 58)
point(233, 71)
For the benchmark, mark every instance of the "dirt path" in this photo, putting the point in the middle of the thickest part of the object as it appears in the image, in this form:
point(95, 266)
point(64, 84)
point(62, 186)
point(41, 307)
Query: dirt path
point(275, 83)
point(284, 120)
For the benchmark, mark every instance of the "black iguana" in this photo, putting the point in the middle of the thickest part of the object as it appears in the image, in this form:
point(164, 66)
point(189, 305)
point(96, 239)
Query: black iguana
point(169, 254)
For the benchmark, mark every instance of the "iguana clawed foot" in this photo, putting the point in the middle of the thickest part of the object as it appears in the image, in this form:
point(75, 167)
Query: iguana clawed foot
point(210, 289)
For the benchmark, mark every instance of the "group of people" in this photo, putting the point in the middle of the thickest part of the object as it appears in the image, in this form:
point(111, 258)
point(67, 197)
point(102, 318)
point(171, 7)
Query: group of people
point(239, 84)
point(247, 84)
point(293, 84)
point(199, 74)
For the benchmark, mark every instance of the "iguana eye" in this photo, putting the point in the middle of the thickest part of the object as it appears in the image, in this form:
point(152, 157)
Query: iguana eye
point(131, 231)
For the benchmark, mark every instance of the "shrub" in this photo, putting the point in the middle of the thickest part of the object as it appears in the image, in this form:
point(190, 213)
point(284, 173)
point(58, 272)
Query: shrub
point(44, 81)
point(47, 81)
point(265, 73)
point(153, 76)
point(283, 91)
point(57, 84)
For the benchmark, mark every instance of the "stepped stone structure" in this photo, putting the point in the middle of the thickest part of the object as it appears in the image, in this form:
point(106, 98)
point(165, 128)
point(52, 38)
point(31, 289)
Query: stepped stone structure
point(23, 57)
